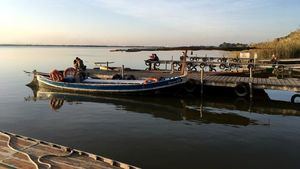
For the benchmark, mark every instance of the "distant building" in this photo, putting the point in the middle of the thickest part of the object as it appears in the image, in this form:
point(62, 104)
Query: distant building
point(245, 55)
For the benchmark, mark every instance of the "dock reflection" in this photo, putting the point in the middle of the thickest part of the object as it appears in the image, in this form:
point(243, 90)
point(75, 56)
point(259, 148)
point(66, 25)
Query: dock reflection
point(206, 110)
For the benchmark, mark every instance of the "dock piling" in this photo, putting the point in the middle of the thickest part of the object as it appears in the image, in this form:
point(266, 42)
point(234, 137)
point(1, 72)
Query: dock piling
point(201, 79)
point(201, 75)
point(166, 66)
point(122, 71)
point(172, 66)
point(250, 83)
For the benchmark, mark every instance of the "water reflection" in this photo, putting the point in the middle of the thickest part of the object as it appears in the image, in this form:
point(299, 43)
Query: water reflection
point(208, 110)
point(261, 104)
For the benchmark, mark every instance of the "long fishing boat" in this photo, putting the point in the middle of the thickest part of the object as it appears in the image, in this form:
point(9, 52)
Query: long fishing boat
point(91, 85)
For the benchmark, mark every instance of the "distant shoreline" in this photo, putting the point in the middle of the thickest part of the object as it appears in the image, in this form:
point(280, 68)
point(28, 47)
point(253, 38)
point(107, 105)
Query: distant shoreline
point(194, 48)
point(138, 48)
point(68, 46)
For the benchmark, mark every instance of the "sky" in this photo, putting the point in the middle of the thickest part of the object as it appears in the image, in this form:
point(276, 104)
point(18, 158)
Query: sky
point(146, 22)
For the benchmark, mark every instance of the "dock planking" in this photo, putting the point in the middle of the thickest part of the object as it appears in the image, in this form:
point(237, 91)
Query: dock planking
point(289, 84)
point(22, 152)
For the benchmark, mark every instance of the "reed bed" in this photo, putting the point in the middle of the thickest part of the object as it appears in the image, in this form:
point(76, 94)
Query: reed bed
point(284, 47)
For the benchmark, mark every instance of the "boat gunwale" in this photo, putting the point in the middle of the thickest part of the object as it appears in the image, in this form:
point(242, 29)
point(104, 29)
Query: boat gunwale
point(174, 81)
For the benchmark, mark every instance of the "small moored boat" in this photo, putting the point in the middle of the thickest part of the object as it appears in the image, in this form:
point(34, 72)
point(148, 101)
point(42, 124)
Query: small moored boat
point(90, 85)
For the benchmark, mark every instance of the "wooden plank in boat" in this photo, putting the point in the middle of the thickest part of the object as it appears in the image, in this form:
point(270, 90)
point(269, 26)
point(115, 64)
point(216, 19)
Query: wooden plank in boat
point(287, 82)
point(269, 81)
point(293, 82)
point(223, 79)
point(272, 82)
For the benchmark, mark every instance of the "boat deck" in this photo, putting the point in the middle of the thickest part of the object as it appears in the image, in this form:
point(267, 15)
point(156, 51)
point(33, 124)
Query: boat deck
point(22, 152)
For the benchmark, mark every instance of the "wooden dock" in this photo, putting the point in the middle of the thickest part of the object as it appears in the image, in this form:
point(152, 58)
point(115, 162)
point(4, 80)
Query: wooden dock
point(219, 79)
point(22, 152)
point(289, 84)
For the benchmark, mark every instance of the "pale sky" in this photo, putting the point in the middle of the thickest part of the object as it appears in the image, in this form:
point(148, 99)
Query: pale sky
point(146, 22)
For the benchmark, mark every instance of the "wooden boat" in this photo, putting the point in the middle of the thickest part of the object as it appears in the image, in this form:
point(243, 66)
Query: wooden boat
point(90, 85)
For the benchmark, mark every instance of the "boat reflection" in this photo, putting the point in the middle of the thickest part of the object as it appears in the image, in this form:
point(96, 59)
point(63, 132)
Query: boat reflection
point(207, 110)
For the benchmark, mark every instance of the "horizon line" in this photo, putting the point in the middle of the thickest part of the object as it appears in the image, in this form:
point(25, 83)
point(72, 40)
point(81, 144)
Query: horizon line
point(87, 45)
point(70, 45)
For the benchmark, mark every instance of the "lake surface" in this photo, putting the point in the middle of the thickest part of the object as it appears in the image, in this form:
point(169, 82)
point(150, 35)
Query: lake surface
point(149, 132)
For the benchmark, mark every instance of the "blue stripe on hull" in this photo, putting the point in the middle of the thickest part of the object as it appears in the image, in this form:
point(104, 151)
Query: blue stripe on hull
point(112, 88)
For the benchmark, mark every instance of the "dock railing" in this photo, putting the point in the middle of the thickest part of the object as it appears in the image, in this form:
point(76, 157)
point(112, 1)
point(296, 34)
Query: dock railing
point(102, 65)
point(195, 64)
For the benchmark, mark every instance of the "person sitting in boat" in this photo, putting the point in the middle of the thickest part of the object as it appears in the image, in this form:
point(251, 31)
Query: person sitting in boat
point(80, 64)
point(80, 67)
point(75, 64)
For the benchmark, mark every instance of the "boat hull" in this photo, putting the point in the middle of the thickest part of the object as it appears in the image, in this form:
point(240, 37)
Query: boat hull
point(164, 85)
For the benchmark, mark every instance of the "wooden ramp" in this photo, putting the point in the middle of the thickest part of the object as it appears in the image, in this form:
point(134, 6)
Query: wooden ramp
point(289, 84)
point(22, 152)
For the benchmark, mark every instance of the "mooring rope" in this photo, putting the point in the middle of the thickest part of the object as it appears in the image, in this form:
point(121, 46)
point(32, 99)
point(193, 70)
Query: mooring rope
point(66, 149)
point(40, 158)
point(18, 151)
point(28, 156)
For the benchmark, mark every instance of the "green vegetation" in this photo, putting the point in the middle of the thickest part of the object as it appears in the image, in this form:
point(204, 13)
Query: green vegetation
point(233, 45)
point(224, 47)
point(284, 47)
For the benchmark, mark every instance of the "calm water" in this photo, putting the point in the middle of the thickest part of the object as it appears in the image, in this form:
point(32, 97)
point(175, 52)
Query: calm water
point(212, 132)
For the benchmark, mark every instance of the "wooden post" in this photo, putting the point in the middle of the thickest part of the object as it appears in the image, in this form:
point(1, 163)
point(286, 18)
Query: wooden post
point(172, 66)
point(250, 84)
point(122, 71)
point(201, 79)
point(201, 107)
point(201, 75)
point(254, 58)
point(166, 66)
point(250, 105)
point(290, 72)
point(201, 96)
point(107, 65)
point(251, 90)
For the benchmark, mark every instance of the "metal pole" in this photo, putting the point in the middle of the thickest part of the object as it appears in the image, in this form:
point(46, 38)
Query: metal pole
point(107, 65)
